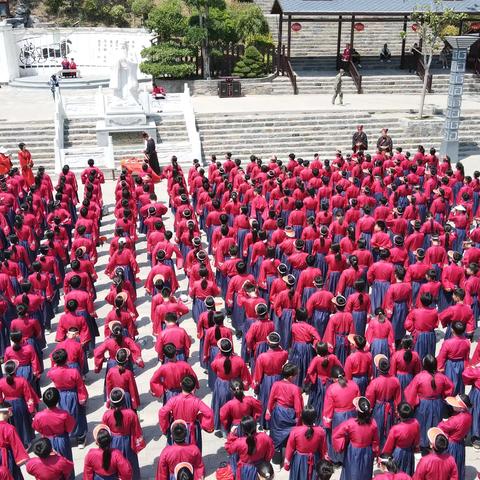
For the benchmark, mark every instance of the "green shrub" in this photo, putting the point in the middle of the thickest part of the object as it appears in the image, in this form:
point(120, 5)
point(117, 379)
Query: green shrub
point(251, 65)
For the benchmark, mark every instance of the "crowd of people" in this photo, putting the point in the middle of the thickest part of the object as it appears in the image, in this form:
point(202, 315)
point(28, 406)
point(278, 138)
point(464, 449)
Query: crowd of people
point(351, 287)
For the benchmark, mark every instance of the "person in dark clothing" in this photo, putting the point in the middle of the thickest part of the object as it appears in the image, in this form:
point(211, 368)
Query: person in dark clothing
point(151, 153)
point(384, 143)
point(359, 139)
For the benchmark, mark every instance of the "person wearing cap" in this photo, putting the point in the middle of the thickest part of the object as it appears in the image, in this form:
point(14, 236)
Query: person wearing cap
point(438, 464)
point(268, 369)
point(256, 336)
point(398, 253)
point(380, 238)
point(339, 326)
point(284, 408)
point(426, 393)
point(379, 336)
point(121, 313)
point(125, 429)
point(358, 439)
point(390, 470)
point(459, 311)
point(459, 217)
point(284, 311)
point(105, 462)
point(436, 255)
point(304, 339)
point(180, 453)
point(358, 365)
point(403, 439)
point(115, 342)
point(164, 270)
point(384, 393)
point(278, 284)
point(71, 319)
point(287, 246)
point(319, 305)
point(397, 302)
point(359, 140)
point(48, 464)
point(55, 423)
point(226, 367)
point(199, 290)
point(456, 428)
point(23, 399)
point(175, 334)
point(11, 445)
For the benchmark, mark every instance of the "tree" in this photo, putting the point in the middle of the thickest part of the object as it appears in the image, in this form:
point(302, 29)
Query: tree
point(142, 8)
point(251, 65)
point(250, 22)
point(432, 22)
point(118, 15)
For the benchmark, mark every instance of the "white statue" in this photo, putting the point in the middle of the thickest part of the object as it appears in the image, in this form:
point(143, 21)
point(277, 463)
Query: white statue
point(124, 81)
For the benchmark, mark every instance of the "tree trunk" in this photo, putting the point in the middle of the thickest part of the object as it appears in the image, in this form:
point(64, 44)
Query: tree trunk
point(204, 48)
point(425, 83)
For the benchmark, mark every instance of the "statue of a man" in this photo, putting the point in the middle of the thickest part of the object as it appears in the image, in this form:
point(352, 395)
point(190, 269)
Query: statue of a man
point(124, 81)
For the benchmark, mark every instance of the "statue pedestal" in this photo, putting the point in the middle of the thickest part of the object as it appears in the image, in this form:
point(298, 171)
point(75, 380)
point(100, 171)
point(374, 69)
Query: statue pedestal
point(124, 116)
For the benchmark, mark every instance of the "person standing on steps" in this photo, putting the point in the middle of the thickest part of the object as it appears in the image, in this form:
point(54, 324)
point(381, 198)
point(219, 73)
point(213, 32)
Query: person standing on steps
point(359, 140)
point(151, 152)
point(338, 87)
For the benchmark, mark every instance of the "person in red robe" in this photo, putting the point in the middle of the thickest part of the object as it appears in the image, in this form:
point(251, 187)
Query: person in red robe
point(26, 164)
point(48, 464)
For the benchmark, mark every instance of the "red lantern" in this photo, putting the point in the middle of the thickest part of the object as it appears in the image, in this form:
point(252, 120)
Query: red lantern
point(415, 27)
point(296, 27)
point(475, 27)
point(359, 27)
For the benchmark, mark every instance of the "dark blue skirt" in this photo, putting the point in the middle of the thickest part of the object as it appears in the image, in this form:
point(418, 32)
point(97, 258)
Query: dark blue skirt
point(317, 397)
point(425, 344)
point(342, 347)
point(306, 294)
point(283, 326)
point(264, 394)
point(405, 459)
point(338, 418)
point(301, 355)
point(238, 315)
point(22, 420)
point(400, 311)
point(428, 413)
point(122, 443)
point(321, 264)
point(383, 413)
point(379, 346)
point(282, 420)
point(358, 463)
point(320, 321)
point(367, 237)
point(362, 382)
point(445, 299)
point(475, 399)
point(302, 466)
point(454, 370)
point(457, 451)
point(415, 289)
point(69, 402)
point(97, 476)
point(61, 444)
point(246, 327)
point(11, 465)
point(211, 374)
point(198, 307)
point(404, 379)
point(247, 471)
point(332, 283)
point(221, 395)
point(360, 322)
point(379, 290)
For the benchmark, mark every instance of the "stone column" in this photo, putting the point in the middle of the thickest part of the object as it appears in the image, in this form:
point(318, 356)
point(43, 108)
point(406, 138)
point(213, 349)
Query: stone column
point(8, 55)
point(450, 142)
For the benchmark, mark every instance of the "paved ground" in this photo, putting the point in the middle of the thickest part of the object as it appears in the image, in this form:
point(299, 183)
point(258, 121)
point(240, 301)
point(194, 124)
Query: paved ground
point(213, 452)
point(368, 102)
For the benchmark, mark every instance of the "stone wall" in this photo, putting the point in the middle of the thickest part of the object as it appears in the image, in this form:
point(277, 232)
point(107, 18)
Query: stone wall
point(256, 86)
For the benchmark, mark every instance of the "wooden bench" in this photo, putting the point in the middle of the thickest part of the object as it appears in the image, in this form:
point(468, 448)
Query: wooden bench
point(62, 72)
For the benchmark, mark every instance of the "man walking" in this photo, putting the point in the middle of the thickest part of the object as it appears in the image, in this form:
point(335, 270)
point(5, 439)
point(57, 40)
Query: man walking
point(338, 87)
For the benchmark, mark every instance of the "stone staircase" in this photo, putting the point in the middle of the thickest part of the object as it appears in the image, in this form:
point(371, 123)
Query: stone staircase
point(37, 135)
point(386, 84)
point(306, 133)
point(171, 137)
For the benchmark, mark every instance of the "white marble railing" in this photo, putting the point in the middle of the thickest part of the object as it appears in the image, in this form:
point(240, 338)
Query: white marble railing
point(59, 120)
point(190, 123)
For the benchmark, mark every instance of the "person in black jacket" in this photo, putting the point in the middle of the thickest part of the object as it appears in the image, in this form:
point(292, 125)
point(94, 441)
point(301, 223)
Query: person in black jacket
point(151, 153)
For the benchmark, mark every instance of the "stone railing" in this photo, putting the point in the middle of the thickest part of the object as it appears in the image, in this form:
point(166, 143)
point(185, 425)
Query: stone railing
point(59, 120)
point(190, 123)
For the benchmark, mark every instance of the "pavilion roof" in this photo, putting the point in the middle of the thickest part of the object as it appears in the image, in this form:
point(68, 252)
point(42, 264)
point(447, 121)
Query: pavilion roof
point(366, 7)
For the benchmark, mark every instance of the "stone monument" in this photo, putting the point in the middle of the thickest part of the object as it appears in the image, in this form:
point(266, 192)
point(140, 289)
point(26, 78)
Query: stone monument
point(126, 109)
point(450, 142)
